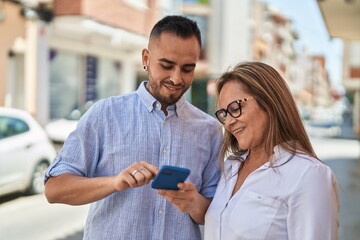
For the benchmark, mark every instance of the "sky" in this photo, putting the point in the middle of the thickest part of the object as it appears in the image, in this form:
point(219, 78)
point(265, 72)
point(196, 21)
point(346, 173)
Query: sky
point(313, 35)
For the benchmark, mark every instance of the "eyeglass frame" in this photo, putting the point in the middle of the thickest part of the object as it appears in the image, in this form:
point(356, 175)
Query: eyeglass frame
point(227, 109)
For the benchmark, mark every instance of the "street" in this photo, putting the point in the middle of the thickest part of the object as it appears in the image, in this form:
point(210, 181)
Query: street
point(31, 217)
point(348, 175)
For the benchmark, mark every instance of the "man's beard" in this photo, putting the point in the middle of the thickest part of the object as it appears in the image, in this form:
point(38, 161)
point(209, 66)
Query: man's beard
point(169, 99)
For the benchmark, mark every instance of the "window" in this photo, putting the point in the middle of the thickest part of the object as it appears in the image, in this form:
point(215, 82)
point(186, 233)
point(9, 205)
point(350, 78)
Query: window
point(12, 126)
point(77, 79)
point(202, 23)
point(64, 82)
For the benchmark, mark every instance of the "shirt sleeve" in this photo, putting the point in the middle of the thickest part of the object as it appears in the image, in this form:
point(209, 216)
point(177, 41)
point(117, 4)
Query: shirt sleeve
point(79, 154)
point(314, 206)
point(211, 174)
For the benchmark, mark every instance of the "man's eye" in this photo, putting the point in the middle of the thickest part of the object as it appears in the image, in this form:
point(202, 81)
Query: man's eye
point(188, 69)
point(166, 67)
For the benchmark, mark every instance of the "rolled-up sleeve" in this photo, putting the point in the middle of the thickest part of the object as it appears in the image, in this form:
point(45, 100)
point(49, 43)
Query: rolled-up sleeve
point(79, 154)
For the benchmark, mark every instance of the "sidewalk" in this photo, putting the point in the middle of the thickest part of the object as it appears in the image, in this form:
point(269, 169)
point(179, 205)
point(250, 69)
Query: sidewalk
point(75, 236)
point(347, 172)
point(342, 155)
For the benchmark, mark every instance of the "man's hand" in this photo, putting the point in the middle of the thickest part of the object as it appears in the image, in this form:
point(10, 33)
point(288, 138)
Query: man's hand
point(136, 175)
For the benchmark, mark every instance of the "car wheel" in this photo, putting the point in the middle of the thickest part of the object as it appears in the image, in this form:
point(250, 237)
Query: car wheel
point(37, 180)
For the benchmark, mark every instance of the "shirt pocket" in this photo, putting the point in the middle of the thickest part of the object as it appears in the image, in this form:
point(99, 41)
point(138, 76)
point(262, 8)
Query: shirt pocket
point(253, 215)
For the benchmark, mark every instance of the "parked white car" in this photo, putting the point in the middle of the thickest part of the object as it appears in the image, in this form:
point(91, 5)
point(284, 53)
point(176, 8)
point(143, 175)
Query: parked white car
point(25, 153)
point(60, 129)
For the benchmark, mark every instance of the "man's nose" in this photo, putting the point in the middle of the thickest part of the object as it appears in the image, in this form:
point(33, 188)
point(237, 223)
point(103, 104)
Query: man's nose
point(176, 76)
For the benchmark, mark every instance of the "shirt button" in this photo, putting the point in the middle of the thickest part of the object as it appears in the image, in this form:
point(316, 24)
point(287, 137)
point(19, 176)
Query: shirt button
point(160, 212)
point(157, 105)
point(165, 151)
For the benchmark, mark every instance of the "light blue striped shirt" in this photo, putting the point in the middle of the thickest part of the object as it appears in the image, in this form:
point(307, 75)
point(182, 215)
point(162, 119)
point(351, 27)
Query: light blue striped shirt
point(120, 130)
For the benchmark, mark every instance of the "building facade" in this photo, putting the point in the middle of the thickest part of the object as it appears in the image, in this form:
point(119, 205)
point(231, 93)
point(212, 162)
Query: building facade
point(342, 20)
point(67, 54)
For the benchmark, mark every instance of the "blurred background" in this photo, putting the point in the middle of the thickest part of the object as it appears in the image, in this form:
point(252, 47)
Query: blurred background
point(58, 57)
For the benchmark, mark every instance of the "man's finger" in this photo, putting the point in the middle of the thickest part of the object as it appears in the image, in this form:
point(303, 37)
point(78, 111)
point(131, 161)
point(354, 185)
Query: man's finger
point(151, 168)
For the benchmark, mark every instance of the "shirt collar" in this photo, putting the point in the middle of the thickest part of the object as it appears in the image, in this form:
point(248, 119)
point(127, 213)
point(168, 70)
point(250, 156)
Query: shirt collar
point(150, 102)
point(280, 157)
point(232, 163)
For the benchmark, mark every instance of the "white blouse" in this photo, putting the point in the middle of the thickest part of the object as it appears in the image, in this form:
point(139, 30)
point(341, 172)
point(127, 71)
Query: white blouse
point(297, 200)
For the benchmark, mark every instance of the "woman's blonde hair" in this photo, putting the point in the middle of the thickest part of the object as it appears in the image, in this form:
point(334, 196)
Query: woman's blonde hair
point(273, 95)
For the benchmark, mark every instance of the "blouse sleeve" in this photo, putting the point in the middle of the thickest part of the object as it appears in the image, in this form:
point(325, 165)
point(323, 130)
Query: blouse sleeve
point(314, 206)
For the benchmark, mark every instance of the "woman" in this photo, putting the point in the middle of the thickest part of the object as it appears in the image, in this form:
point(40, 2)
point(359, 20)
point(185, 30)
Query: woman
point(273, 185)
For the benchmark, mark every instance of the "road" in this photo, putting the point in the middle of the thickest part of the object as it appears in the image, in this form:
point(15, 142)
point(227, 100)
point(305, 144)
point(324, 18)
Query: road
point(343, 157)
point(31, 217)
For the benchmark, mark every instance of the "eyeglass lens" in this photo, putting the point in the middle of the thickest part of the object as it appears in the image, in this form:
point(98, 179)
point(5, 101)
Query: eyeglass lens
point(234, 109)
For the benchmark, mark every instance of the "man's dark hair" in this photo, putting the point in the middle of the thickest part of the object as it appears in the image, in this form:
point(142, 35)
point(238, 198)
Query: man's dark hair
point(180, 25)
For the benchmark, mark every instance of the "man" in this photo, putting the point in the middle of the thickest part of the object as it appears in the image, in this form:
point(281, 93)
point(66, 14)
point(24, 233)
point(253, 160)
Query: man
point(121, 142)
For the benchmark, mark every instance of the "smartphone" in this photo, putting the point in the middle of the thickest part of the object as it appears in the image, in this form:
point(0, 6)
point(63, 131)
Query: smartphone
point(169, 176)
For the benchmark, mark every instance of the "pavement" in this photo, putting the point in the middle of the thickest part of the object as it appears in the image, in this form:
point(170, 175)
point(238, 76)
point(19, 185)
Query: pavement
point(341, 152)
point(75, 236)
point(347, 172)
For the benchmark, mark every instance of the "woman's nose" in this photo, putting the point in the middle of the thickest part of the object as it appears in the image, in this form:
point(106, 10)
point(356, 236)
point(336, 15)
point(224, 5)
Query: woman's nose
point(229, 119)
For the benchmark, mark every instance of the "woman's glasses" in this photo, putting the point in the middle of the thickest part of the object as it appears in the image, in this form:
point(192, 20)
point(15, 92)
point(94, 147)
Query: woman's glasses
point(234, 109)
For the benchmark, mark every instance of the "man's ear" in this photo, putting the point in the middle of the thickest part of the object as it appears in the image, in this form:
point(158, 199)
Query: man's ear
point(145, 56)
